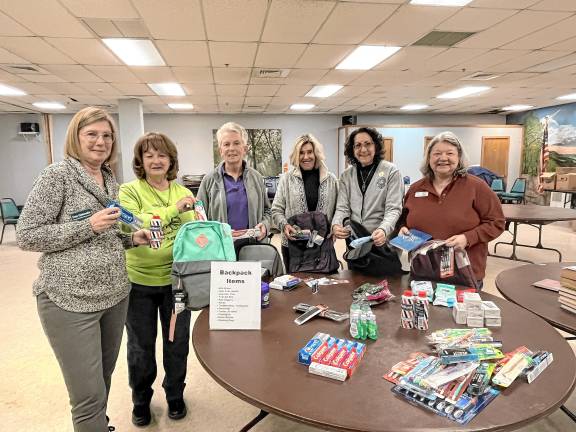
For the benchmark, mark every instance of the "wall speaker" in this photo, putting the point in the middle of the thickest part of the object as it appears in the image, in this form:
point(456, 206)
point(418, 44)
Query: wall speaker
point(349, 120)
point(29, 127)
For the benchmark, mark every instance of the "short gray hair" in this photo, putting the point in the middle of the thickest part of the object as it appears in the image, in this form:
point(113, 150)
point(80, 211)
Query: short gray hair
point(449, 138)
point(232, 127)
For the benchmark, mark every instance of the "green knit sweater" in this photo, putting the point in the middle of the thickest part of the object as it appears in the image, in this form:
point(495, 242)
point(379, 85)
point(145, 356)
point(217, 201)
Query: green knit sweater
point(147, 266)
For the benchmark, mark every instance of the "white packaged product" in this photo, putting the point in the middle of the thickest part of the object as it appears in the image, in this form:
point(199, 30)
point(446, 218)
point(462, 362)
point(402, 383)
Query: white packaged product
point(459, 313)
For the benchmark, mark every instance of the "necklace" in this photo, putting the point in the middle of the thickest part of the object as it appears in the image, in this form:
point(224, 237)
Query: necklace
point(159, 201)
point(364, 180)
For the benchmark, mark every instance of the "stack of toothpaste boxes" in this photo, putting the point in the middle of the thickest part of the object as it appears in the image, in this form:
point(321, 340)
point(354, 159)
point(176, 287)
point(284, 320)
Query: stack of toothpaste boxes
point(474, 312)
point(331, 357)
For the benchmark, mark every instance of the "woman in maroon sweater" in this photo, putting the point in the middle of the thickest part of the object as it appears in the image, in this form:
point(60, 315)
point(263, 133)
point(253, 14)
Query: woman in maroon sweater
point(451, 205)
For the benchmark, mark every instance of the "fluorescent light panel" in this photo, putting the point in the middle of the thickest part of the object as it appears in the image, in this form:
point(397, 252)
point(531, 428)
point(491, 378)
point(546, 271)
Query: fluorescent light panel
point(414, 107)
point(135, 52)
point(167, 89)
point(440, 2)
point(10, 91)
point(301, 107)
point(571, 96)
point(323, 91)
point(519, 107)
point(366, 57)
point(463, 92)
point(49, 105)
point(181, 106)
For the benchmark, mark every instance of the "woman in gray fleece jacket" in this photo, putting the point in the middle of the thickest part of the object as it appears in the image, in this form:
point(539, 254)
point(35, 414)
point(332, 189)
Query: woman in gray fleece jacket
point(82, 290)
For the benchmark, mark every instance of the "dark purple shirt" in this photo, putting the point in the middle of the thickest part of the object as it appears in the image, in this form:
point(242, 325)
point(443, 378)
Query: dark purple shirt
point(236, 201)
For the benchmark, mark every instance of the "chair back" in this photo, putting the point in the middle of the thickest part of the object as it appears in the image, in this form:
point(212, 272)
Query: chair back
point(497, 185)
point(8, 209)
point(519, 186)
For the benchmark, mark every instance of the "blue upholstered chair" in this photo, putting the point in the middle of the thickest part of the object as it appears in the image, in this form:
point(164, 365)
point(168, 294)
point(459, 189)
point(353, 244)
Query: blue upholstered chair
point(9, 213)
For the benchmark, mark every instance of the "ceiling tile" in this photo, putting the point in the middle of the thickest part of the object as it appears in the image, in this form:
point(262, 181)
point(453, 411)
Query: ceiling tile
point(132, 28)
point(231, 75)
point(305, 76)
point(199, 89)
point(184, 53)
point(547, 36)
point(474, 19)
point(110, 9)
point(230, 90)
point(422, 19)
point(9, 27)
point(45, 18)
point(35, 50)
point(485, 61)
point(230, 100)
point(100, 89)
point(293, 90)
point(41, 78)
point(521, 24)
point(34, 89)
point(153, 74)
point(6, 57)
point(352, 91)
point(277, 55)
point(566, 45)
point(234, 21)
point(558, 63)
point(232, 54)
point(63, 88)
point(323, 56)
point(133, 89)
point(193, 75)
point(262, 90)
point(257, 100)
point(338, 29)
point(85, 51)
point(521, 63)
point(452, 56)
point(343, 77)
point(72, 73)
point(410, 57)
point(507, 4)
point(176, 19)
point(116, 74)
point(103, 28)
point(555, 5)
point(203, 100)
point(295, 20)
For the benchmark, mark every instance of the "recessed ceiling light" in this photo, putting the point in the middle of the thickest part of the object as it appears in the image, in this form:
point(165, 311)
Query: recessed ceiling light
point(135, 52)
point(463, 92)
point(181, 106)
point(366, 57)
point(440, 2)
point(167, 89)
point(301, 106)
point(519, 107)
point(322, 91)
point(10, 91)
point(414, 107)
point(49, 105)
point(571, 96)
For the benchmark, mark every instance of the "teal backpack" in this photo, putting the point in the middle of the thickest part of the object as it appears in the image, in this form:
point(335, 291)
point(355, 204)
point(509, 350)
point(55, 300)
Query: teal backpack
point(197, 244)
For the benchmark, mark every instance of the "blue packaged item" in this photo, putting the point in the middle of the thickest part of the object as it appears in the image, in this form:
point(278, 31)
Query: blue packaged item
point(305, 354)
point(126, 217)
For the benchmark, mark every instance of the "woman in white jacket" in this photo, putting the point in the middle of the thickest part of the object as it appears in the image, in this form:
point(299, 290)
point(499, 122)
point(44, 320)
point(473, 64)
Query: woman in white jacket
point(308, 186)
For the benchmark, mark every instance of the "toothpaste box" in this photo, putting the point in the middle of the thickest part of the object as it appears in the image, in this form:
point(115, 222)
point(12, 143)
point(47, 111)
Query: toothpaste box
point(323, 349)
point(459, 313)
point(305, 354)
point(327, 371)
point(490, 309)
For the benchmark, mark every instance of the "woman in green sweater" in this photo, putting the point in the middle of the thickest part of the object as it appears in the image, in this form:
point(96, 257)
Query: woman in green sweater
point(155, 193)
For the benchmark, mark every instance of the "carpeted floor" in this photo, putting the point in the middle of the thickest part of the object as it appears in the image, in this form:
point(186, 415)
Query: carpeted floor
point(34, 398)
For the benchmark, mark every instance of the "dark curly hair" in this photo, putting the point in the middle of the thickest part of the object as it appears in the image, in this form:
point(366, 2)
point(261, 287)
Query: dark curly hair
point(349, 146)
point(158, 142)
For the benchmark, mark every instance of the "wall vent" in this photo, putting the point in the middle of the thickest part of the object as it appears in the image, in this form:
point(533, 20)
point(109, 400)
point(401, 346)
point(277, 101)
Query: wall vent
point(270, 73)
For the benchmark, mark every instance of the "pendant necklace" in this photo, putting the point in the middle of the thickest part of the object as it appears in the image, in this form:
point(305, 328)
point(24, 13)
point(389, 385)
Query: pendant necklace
point(159, 199)
point(363, 187)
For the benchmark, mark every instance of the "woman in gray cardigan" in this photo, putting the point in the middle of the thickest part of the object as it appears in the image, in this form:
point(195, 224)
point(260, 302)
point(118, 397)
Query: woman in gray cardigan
point(235, 193)
point(308, 186)
point(371, 189)
point(82, 290)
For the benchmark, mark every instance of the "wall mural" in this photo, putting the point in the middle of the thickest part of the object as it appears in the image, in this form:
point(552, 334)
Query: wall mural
point(264, 151)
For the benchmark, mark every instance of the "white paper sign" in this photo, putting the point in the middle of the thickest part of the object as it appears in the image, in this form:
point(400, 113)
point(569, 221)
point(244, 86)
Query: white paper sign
point(235, 295)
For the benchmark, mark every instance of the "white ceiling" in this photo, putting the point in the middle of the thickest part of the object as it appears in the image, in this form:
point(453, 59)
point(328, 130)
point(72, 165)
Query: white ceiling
point(214, 48)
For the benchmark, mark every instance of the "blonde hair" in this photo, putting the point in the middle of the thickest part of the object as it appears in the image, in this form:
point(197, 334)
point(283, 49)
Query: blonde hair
point(316, 146)
point(159, 142)
point(449, 138)
point(232, 127)
point(81, 119)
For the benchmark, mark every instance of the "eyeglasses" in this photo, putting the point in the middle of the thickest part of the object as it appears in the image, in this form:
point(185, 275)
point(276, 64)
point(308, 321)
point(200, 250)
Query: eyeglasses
point(358, 146)
point(93, 137)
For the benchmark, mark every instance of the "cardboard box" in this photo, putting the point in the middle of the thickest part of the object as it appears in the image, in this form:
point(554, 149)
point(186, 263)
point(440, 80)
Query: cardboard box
point(566, 181)
point(565, 170)
point(549, 181)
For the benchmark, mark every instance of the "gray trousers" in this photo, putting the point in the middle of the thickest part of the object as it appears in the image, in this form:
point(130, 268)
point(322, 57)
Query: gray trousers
point(86, 346)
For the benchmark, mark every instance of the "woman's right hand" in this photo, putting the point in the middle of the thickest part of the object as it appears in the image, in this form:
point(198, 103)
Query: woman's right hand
point(104, 219)
point(404, 231)
point(185, 204)
point(288, 230)
point(340, 232)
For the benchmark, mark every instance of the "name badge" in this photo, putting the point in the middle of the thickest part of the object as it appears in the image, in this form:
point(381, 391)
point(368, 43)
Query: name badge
point(421, 194)
point(81, 215)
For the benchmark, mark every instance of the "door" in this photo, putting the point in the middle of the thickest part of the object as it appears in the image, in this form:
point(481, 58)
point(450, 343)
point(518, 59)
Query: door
point(495, 152)
point(427, 140)
point(387, 152)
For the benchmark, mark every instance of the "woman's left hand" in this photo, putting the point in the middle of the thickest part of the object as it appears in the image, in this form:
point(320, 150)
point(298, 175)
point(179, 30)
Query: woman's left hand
point(263, 231)
point(458, 241)
point(141, 237)
point(379, 237)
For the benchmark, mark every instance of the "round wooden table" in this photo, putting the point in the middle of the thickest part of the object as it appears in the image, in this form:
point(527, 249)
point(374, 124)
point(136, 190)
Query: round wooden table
point(261, 367)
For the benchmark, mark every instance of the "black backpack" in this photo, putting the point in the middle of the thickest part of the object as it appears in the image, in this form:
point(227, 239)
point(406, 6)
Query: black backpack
point(317, 258)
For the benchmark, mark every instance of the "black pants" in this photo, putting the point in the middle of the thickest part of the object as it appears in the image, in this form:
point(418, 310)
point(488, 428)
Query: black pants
point(142, 327)
point(286, 258)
